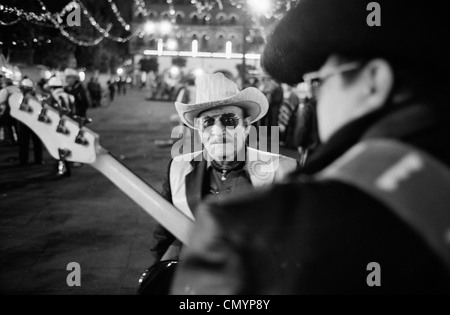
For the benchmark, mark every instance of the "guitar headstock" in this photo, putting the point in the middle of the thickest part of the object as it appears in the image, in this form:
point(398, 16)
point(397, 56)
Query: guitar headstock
point(61, 135)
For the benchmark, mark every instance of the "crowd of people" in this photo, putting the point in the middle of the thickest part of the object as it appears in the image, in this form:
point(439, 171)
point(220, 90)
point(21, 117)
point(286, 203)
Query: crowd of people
point(117, 85)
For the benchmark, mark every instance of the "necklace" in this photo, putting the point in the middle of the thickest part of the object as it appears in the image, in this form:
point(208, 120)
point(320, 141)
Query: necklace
point(224, 175)
point(225, 170)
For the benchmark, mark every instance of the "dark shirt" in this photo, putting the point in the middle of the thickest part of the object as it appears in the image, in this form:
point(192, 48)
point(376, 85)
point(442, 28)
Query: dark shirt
point(222, 185)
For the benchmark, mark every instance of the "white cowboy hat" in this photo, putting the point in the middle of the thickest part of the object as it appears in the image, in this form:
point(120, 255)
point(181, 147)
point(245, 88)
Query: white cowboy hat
point(55, 82)
point(69, 72)
point(215, 90)
point(27, 82)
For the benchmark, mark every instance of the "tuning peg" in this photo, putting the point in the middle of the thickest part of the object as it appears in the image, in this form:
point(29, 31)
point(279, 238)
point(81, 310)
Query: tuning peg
point(61, 128)
point(63, 153)
point(43, 116)
point(63, 111)
point(82, 121)
point(80, 139)
point(25, 107)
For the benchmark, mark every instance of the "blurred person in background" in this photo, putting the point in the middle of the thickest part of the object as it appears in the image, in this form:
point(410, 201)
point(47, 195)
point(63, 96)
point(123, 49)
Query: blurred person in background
point(7, 123)
point(95, 91)
point(76, 88)
point(25, 134)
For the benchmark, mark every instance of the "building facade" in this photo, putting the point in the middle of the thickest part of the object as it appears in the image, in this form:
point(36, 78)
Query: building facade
point(180, 28)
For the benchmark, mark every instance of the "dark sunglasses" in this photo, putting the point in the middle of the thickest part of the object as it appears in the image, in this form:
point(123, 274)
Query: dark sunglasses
point(226, 120)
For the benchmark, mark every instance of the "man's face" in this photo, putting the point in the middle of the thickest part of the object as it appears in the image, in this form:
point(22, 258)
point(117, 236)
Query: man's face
point(223, 132)
point(70, 80)
point(337, 100)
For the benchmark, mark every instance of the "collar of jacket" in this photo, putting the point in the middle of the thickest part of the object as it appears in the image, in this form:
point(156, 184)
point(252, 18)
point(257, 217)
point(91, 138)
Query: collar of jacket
point(260, 166)
point(412, 123)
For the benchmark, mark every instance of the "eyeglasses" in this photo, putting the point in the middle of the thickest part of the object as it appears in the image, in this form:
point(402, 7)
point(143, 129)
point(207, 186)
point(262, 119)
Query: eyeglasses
point(227, 120)
point(315, 79)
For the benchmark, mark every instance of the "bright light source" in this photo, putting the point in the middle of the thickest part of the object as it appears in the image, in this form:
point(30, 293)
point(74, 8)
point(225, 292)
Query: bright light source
point(119, 71)
point(150, 27)
point(198, 72)
point(194, 48)
point(229, 49)
point(144, 76)
point(165, 27)
point(260, 6)
point(82, 76)
point(172, 44)
point(174, 72)
point(160, 47)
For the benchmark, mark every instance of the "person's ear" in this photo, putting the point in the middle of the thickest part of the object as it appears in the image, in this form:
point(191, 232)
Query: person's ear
point(247, 122)
point(379, 82)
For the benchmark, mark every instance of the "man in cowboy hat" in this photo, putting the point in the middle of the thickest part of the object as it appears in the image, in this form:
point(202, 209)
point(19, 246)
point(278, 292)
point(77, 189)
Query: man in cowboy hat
point(370, 214)
point(223, 116)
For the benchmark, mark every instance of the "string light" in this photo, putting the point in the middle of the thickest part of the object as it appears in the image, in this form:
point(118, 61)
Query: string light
point(22, 14)
point(140, 5)
point(116, 11)
point(70, 37)
point(203, 7)
point(9, 23)
point(101, 30)
point(105, 32)
point(34, 42)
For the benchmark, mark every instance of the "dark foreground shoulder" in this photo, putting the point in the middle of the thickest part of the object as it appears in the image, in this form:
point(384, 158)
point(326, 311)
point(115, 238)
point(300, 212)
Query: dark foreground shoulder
point(306, 237)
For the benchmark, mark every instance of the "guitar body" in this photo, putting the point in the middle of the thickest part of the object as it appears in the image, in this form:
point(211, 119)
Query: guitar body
point(158, 278)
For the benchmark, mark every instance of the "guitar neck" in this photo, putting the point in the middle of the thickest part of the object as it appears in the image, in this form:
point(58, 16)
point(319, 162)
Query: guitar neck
point(61, 133)
point(145, 196)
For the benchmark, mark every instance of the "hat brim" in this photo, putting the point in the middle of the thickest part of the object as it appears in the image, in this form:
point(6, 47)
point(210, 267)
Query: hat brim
point(253, 101)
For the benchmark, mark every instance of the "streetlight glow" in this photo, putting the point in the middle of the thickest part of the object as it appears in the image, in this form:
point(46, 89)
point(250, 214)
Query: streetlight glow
point(172, 44)
point(150, 27)
point(229, 49)
point(198, 72)
point(165, 27)
point(160, 47)
point(82, 76)
point(260, 7)
point(194, 48)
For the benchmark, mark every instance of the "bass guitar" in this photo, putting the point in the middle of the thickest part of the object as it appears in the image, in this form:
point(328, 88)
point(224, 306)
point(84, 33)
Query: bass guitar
point(68, 138)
